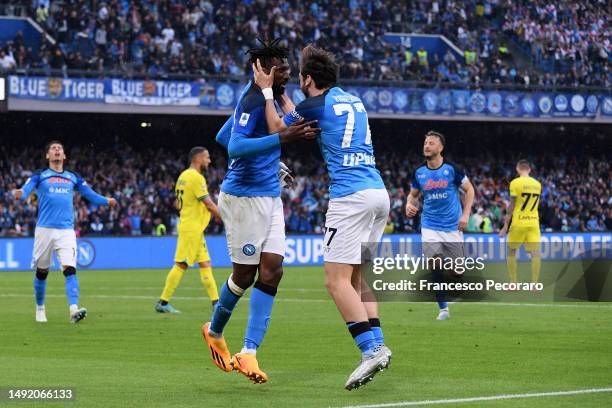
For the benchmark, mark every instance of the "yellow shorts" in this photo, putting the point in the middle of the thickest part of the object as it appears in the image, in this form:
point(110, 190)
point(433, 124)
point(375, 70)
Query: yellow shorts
point(530, 236)
point(191, 248)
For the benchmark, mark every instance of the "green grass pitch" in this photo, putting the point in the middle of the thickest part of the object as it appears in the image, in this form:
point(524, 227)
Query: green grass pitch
point(126, 355)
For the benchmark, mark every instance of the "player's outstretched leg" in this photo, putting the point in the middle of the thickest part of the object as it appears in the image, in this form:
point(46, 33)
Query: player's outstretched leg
point(172, 281)
point(40, 288)
point(212, 331)
point(260, 311)
point(72, 292)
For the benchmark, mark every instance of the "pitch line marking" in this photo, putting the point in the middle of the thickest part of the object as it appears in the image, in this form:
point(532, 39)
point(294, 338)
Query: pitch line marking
point(602, 305)
point(477, 399)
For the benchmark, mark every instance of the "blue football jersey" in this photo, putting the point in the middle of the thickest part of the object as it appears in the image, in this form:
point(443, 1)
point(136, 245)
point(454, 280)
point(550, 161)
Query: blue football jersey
point(345, 141)
point(55, 193)
point(441, 202)
point(256, 175)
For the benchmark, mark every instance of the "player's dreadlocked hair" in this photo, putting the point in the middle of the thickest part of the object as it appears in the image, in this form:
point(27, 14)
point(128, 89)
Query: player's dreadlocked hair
point(320, 65)
point(267, 52)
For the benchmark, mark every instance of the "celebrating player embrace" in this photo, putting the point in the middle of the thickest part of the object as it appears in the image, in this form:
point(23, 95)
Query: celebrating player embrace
point(54, 232)
point(359, 203)
point(252, 213)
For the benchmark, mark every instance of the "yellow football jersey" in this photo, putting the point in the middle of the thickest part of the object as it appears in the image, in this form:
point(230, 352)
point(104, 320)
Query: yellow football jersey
point(191, 189)
point(527, 191)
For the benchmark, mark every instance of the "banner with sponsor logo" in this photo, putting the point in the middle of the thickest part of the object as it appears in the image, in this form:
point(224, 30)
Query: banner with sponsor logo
point(377, 100)
point(301, 250)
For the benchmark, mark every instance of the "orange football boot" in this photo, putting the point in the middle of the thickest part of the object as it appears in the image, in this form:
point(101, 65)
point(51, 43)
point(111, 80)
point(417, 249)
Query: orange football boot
point(218, 349)
point(247, 364)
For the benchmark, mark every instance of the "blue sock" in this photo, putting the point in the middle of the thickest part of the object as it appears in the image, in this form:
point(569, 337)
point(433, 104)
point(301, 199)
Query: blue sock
point(40, 287)
point(223, 309)
point(438, 277)
point(260, 309)
point(377, 331)
point(72, 289)
point(363, 335)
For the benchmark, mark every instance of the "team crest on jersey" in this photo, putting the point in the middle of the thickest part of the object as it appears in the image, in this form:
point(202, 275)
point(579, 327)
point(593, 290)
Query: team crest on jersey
point(244, 119)
point(248, 249)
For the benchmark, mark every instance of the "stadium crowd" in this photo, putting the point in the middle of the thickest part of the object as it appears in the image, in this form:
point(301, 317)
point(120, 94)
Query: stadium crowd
point(160, 37)
point(577, 191)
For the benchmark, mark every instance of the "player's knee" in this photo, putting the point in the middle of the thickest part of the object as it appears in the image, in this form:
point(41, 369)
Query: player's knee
point(271, 275)
point(41, 274)
point(182, 265)
point(331, 283)
point(69, 270)
point(243, 280)
point(204, 264)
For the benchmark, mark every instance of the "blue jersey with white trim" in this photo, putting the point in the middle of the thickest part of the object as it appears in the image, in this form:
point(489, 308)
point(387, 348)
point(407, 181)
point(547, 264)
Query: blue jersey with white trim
point(255, 175)
point(345, 141)
point(55, 193)
point(441, 201)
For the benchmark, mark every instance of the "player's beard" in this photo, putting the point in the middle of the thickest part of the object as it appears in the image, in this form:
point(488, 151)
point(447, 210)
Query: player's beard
point(278, 90)
point(305, 91)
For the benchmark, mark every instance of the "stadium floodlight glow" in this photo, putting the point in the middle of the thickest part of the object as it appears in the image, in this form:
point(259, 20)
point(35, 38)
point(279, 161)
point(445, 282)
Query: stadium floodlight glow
point(145, 124)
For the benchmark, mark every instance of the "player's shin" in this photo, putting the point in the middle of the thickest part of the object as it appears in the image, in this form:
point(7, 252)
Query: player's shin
point(260, 310)
point(172, 281)
point(228, 298)
point(40, 286)
point(72, 288)
point(536, 265)
point(363, 336)
point(208, 280)
point(438, 277)
point(377, 331)
point(512, 267)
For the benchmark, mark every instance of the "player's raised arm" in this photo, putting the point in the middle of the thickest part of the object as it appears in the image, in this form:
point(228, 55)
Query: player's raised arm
point(265, 81)
point(24, 192)
point(90, 195)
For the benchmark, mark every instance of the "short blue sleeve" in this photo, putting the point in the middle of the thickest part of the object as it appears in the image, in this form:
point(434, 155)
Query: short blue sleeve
point(414, 183)
point(460, 175)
